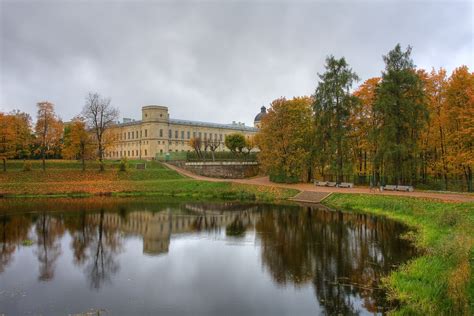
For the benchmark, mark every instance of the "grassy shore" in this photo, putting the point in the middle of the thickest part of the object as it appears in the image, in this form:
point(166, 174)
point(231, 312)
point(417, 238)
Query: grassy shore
point(64, 178)
point(440, 280)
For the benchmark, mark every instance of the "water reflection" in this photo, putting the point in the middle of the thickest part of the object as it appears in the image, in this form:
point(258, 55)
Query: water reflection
point(341, 256)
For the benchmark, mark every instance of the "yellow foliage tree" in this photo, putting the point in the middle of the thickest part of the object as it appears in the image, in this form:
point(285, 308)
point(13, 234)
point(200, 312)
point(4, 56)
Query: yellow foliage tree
point(363, 122)
point(285, 139)
point(79, 144)
point(7, 139)
point(460, 123)
point(49, 130)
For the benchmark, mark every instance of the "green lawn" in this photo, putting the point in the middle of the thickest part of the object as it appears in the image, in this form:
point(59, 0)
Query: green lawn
point(440, 280)
point(65, 178)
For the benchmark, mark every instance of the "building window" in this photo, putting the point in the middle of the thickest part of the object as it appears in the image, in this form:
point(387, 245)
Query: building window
point(200, 135)
point(161, 133)
point(182, 134)
point(170, 134)
point(175, 134)
point(194, 134)
point(215, 136)
point(140, 134)
point(128, 153)
point(146, 133)
point(128, 135)
point(136, 152)
point(145, 153)
point(189, 134)
point(220, 137)
point(136, 134)
point(161, 151)
point(205, 135)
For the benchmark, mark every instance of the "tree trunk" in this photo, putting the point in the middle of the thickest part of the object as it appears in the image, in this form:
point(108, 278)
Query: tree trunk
point(468, 177)
point(83, 151)
point(101, 162)
point(43, 157)
point(5, 164)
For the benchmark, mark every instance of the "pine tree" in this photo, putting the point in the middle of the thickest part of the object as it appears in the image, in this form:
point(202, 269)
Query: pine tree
point(332, 106)
point(402, 109)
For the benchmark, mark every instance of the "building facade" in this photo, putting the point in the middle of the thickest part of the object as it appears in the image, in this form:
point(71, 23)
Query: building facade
point(157, 134)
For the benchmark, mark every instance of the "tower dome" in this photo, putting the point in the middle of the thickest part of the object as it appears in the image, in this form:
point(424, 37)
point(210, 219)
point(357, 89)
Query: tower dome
point(259, 116)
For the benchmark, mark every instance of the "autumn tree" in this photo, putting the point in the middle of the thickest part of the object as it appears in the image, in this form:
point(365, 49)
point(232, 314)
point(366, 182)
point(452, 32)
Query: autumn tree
point(7, 139)
point(48, 129)
point(333, 103)
point(285, 139)
point(460, 122)
point(78, 143)
point(23, 133)
point(364, 124)
point(235, 142)
point(403, 113)
point(100, 115)
point(250, 144)
point(196, 144)
point(433, 145)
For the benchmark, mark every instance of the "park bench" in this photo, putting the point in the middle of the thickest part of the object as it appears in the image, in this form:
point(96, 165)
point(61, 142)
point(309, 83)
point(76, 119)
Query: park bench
point(390, 187)
point(320, 183)
point(406, 188)
point(331, 184)
point(346, 185)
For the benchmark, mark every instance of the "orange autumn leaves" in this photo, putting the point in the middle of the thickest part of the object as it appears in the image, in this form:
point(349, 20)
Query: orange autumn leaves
point(447, 141)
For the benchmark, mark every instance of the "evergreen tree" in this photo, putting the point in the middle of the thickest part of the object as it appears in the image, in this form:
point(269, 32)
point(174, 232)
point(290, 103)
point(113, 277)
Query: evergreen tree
point(332, 106)
point(402, 109)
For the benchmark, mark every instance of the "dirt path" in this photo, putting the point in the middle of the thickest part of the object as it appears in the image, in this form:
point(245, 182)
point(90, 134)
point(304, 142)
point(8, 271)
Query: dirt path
point(450, 197)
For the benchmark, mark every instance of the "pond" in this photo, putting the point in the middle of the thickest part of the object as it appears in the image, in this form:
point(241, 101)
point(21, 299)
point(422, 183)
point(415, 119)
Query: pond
point(113, 256)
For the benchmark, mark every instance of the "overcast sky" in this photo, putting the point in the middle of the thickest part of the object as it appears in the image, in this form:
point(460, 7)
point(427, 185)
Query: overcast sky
point(210, 61)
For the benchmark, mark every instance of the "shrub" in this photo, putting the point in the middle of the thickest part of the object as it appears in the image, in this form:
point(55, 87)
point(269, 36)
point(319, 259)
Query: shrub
point(123, 165)
point(281, 177)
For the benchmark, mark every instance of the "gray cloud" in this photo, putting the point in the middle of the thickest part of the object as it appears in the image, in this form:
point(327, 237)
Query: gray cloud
point(210, 61)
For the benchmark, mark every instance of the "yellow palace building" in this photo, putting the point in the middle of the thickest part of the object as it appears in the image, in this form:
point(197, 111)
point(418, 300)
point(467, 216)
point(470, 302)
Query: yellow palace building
point(157, 134)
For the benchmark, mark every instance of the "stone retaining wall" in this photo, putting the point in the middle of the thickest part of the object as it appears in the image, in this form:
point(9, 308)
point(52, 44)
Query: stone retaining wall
point(221, 169)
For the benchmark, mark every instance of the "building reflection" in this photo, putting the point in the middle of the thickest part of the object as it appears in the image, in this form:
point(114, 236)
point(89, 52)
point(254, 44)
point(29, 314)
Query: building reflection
point(156, 228)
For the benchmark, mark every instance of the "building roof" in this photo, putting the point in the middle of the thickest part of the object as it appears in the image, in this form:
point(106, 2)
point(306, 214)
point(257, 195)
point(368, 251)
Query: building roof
point(237, 127)
point(259, 116)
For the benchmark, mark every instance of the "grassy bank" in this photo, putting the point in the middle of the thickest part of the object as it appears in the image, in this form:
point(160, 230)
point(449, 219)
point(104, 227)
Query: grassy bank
point(440, 281)
point(66, 179)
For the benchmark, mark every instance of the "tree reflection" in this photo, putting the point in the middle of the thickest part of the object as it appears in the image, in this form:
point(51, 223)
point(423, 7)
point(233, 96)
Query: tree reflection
point(103, 248)
point(13, 230)
point(81, 234)
point(49, 230)
point(343, 255)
